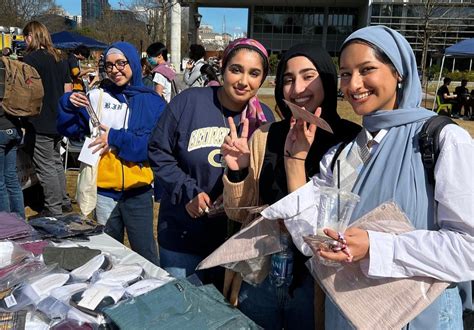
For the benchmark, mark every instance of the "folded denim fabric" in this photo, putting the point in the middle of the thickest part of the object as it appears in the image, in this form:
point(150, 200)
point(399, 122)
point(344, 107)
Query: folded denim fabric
point(178, 305)
point(13, 226)
point(86, 271)
point(65, 226)
point(69, 258)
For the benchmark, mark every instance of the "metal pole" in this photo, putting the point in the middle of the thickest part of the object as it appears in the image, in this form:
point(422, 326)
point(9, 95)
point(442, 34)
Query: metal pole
point(439, 80)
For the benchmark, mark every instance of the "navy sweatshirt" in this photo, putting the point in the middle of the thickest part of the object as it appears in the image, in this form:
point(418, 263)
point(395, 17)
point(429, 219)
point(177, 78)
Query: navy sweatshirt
point(184, 152)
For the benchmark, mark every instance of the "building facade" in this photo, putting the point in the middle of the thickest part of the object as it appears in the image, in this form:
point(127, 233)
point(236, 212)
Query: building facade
point(445, 22)
point(93, 9)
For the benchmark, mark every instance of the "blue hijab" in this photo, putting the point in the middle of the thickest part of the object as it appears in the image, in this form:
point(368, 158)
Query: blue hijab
point(395, 172)
point(132, 91)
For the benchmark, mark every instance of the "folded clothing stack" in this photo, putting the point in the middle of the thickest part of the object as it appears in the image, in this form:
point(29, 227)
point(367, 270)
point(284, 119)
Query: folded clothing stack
point(65, 226)
point(13, 226)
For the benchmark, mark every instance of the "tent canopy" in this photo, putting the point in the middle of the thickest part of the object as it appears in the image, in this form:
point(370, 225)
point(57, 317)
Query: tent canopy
point(463, 48)
point(69, 40)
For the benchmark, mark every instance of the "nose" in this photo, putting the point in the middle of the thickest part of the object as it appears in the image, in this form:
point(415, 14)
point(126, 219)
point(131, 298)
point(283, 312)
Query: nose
point(299, 86)
point(243, 80)
point(355, 82)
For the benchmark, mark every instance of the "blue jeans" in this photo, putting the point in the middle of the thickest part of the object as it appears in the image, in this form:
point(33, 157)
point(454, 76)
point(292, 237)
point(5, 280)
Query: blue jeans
point(275, 308)
point(11, 195)
point(449, 318)
point(181, 265)
point(135, 214)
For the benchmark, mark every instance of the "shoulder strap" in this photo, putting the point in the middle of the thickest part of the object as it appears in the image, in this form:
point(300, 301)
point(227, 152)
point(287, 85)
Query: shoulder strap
point(429, 142)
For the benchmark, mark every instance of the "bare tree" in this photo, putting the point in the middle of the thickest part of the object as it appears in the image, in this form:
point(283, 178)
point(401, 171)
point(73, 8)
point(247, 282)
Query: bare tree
point(19, 12)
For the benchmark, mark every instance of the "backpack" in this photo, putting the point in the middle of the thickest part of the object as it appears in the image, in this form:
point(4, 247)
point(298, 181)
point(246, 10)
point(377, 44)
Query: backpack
point(428, 143)
point(22, 88)
point(174, 89)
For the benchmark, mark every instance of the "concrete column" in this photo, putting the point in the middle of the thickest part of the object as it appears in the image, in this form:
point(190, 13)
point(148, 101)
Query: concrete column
point(175, 34)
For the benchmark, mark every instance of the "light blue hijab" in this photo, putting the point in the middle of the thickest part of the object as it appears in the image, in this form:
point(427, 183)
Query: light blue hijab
point(395, 172)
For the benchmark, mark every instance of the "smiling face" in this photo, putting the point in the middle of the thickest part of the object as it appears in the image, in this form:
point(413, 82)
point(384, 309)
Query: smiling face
point(118, 69)
point(242, 78)
point(367, 83)
point(302, 84)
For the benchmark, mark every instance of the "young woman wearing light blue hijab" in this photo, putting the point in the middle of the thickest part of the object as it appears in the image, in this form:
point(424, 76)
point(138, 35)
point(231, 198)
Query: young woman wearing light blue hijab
point(379, 79)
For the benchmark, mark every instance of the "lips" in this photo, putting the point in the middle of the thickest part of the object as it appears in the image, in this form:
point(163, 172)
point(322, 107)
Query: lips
point(301, 101)
point(361, 96)
point(240, 91)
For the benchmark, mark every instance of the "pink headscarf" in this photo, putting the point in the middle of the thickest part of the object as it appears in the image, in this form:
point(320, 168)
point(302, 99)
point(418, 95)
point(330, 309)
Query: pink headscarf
point(253, 111)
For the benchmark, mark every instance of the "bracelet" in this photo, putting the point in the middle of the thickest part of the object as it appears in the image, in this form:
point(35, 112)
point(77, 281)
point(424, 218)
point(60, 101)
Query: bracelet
point(292, 157)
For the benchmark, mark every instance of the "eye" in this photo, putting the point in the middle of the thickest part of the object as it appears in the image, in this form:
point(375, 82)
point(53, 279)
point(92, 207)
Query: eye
point(234, 69)
point(310, 76)
point(367, 70)
point(255, 73)
point(344, 75)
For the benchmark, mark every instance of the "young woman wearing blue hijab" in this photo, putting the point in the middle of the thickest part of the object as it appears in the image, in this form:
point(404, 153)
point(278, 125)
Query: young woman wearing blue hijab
point(379, 79)
point(127, 111)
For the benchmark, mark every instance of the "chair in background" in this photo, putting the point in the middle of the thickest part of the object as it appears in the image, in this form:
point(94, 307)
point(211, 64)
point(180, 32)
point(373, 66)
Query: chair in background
point(72, 147)
point(443, 106)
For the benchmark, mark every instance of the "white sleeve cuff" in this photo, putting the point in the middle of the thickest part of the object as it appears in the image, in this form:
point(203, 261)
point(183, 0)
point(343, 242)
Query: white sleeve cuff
point(381, 254)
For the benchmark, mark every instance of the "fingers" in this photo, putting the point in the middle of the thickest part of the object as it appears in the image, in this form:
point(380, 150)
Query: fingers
point(79, 99)
point(245, 129)
point(233, 129)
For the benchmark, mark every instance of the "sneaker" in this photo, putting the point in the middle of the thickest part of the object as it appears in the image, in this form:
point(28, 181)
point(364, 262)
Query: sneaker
point(66, 208)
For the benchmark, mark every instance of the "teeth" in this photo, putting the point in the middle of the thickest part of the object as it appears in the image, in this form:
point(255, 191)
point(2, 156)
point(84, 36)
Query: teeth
point(302, 99)
point(361, 96)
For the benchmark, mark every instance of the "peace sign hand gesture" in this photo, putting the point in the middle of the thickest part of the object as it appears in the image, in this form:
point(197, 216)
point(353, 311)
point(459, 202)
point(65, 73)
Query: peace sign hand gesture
point(235, 149)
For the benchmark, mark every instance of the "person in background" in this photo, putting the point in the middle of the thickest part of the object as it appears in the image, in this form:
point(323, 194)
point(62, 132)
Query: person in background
point(184, 152)
point(11, 195)
point(147, 76)
point(258, 174)
point(462, 94)
point(210, 76)
point(80, 53)
point(42, 138)
point(446, 97)
point(127, 111)
point(192, 73)
point(163, 74)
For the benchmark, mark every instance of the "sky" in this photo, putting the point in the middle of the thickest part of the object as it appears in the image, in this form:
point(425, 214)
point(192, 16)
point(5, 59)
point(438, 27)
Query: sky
point(235, 18)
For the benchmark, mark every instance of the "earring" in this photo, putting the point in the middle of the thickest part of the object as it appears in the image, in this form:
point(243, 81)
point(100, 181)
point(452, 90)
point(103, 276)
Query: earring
point(399, 85)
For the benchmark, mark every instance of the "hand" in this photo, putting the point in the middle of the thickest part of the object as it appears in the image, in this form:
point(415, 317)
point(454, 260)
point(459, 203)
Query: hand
point(300, 138)
point(357, 241)
point(101, 141)
point(197, 206)
point(79, 100)
point(235, 149)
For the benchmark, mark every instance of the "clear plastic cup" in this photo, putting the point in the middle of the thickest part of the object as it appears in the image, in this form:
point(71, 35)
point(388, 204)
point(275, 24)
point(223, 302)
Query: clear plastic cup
point(334, 212)
point(335, 209)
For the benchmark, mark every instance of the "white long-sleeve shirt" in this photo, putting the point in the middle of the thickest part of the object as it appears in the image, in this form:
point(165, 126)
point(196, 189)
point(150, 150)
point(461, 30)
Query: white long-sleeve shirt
point(446, 254)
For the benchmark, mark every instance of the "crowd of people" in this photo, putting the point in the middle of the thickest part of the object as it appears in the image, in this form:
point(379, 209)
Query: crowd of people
point(215, 147)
